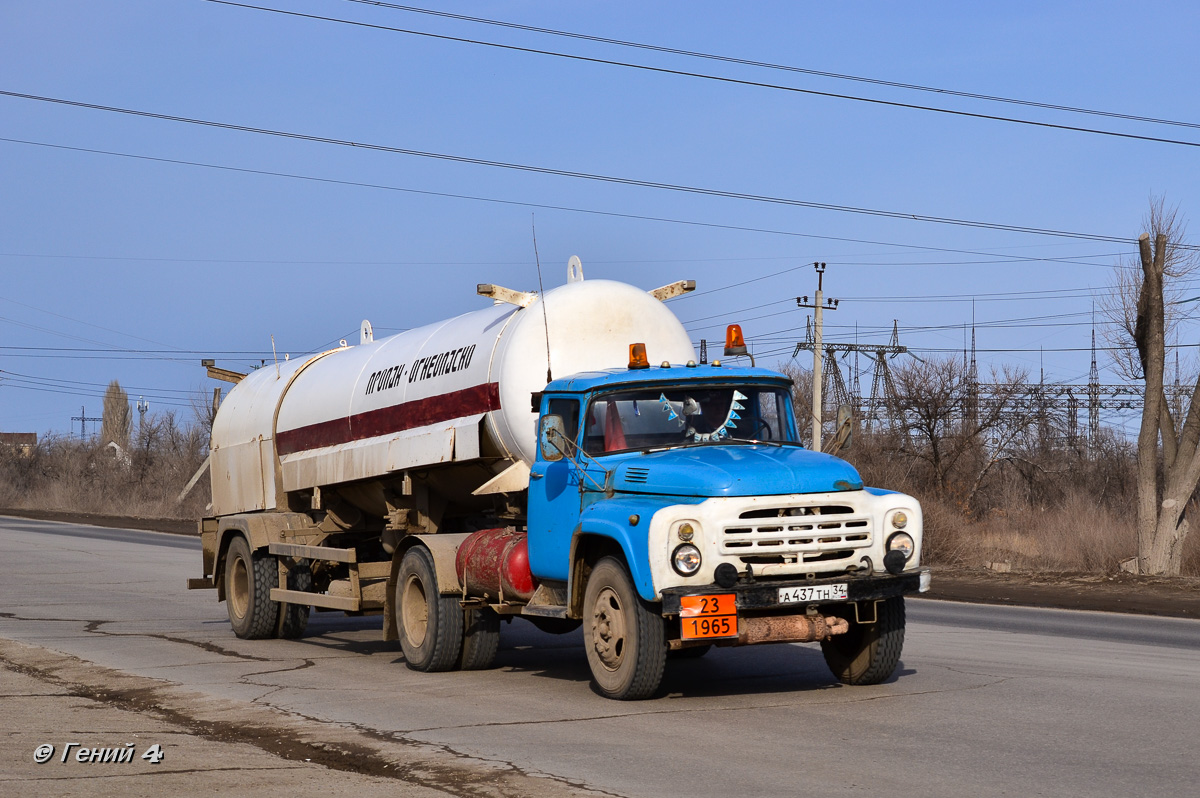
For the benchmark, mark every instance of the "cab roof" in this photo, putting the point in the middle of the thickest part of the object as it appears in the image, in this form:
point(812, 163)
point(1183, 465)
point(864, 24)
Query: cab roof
point(586, 381)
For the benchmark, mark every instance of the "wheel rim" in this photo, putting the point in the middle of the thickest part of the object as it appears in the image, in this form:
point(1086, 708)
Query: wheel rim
point(609, 629)
point(414, 611)
point(239, 590)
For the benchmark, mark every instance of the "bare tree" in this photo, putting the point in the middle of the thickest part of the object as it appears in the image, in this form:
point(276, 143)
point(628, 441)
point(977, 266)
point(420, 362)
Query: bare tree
point(116, 419)
point(1162, 524)
point(959, 438)
point(204, 412)
point(1144, 307)
point(801, 396)
point(1119, 305)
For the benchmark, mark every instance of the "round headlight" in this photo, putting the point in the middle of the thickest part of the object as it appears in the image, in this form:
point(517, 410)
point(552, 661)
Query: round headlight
point(686, 560)
point(899, 520)
point(685, 531)
point(903, 543)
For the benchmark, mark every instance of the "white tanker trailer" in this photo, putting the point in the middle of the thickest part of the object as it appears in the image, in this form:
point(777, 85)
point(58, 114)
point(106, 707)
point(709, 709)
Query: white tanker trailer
point(524, 459)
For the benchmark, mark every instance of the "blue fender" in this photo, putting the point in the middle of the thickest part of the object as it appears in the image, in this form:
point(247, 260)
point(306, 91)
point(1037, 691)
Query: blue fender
point(611, 519)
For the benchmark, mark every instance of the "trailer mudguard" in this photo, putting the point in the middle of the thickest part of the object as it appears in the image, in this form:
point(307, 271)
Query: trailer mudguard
point(260, 531)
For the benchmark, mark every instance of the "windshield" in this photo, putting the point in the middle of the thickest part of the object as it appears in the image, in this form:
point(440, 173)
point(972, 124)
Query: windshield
point(658, 417)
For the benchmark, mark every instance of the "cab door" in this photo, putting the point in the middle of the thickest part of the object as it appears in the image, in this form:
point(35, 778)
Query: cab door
point(554, 498)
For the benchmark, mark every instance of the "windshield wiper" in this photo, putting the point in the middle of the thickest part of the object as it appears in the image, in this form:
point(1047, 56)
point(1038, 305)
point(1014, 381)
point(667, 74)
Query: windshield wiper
point(739, 441)
point(753, 441)
point(666, 446)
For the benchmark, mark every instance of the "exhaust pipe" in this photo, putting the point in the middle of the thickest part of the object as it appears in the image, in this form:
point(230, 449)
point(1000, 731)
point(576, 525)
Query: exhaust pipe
point(790, 629)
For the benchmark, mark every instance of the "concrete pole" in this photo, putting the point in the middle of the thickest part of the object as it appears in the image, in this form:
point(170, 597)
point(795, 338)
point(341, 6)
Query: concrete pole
point(817, 406)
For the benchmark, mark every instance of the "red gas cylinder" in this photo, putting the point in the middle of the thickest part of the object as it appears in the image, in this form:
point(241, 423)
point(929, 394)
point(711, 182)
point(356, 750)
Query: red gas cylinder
point(495, 562)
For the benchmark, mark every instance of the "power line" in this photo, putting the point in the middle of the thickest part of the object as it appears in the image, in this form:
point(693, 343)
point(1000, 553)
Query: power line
point(545, 206)
point(77, 321)
point(996, 259)
point(545, 170)
point(331, 262)
point(705, 76)
point(226, 353)
point(775, 66)
point(59, 382)
point(1000, 296)
point(50, 331)
point(789, 333)
point(63, 390)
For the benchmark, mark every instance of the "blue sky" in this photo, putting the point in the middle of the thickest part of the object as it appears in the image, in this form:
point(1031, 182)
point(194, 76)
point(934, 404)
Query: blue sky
point(167, 262)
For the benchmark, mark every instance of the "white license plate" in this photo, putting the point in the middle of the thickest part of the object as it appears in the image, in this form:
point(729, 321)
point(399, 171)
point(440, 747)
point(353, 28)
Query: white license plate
point(795, 595)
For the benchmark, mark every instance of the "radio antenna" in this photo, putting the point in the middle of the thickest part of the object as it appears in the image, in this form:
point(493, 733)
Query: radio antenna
point(541, 297)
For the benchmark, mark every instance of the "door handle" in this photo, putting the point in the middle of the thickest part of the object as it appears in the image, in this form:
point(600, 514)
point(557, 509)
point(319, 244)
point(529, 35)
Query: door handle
point(535, 475)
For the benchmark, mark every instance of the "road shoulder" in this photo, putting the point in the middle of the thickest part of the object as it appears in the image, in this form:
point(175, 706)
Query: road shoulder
point(1177, 597)
point(209, 745)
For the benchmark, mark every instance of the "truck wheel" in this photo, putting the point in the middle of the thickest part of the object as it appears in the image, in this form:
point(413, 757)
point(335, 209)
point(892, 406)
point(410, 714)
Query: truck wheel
point(868, 653)
point(430, 624)
point(295, 618)
point(625, 640)
point(249, 578)
point(481, 639)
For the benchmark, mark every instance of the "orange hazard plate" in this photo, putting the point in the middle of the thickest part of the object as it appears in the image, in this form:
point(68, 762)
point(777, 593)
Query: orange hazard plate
point(703, 617)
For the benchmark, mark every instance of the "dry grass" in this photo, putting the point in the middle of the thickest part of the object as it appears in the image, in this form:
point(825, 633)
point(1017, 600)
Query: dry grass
point(1050, 511)
point(1074, 535)
point(68, 475)
point(1063, 515)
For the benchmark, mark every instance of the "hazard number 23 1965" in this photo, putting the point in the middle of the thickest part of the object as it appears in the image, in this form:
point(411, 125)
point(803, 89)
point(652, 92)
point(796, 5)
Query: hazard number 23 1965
point(708, 616)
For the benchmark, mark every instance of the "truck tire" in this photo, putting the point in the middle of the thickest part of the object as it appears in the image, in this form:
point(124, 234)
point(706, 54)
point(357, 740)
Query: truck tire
point(624, 638)
point(249, 578)
point(481, 639)
point(295, 617)
point(868, 653)
point(430, 624)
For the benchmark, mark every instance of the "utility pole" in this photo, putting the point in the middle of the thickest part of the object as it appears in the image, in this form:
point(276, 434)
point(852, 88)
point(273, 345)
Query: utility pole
point(142, 407)
point(819, 304)
point(883, 389)
point(83, 418)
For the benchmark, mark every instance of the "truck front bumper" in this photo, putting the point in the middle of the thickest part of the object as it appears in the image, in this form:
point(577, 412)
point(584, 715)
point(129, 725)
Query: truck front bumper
point(764, 594)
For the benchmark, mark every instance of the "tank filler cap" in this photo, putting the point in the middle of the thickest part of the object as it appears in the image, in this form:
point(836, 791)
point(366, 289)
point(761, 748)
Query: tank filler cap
point(574, 270)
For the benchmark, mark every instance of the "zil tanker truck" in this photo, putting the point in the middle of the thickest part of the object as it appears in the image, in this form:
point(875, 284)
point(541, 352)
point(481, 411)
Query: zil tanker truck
point(559, 457)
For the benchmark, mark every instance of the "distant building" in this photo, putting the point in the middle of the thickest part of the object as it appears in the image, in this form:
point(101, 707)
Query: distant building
point(23, 442)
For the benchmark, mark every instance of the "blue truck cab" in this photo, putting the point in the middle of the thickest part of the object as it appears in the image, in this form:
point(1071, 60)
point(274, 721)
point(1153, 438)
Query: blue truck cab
point(675, 508)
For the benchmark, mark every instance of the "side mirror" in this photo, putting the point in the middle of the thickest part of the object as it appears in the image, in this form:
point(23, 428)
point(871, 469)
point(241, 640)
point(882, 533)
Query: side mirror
point(845, 429)
point(552, 437)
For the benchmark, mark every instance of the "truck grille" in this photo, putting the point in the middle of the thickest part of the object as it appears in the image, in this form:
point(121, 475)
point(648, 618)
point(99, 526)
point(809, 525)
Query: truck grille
point(797, 534)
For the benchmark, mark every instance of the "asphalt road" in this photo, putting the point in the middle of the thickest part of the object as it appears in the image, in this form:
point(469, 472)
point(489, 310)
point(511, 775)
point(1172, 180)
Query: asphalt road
point(988, 700)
